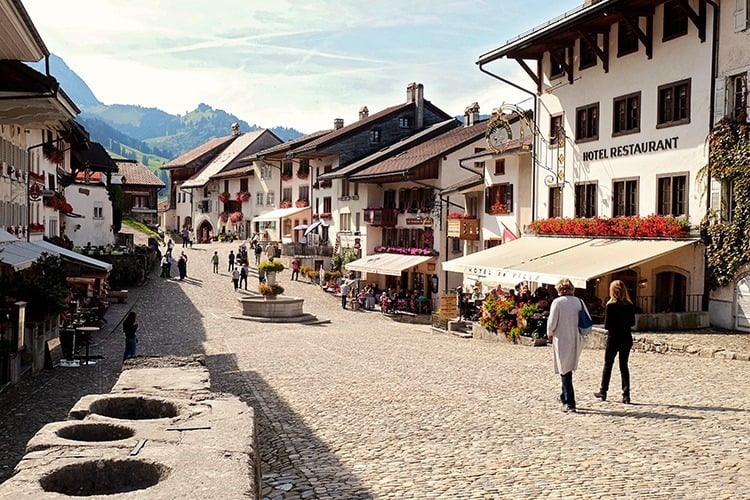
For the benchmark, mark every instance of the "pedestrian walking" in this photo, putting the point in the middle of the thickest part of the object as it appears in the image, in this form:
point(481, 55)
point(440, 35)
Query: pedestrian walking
point(295, 269)
point(619, 317)
point(344, 293)
point(215, 262)
point(169, 264)
point(230, 260)
point(562, 329)
point(185, 237)
point(258, 252)
point(170, 245)
point(182, 265)
point(235, 278)
point(270, 252)
point(243, 275)
point(130, 326)
point(164, 264)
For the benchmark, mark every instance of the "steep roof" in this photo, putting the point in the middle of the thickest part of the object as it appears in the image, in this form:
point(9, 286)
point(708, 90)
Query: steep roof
point(95, 158)
point(424, 151)
point(287, 146)
point(136, 173)
point(223, 159)
point(201, 155)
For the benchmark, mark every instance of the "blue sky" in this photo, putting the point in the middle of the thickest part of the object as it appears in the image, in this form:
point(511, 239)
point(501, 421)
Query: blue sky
point(290, 63)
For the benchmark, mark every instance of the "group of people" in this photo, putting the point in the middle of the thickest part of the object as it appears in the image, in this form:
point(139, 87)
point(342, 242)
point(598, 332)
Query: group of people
point(567, 343)
point(167, 260)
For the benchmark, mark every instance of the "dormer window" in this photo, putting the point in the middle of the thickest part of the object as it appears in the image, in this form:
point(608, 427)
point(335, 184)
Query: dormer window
point(375, 136)
point(404, 122)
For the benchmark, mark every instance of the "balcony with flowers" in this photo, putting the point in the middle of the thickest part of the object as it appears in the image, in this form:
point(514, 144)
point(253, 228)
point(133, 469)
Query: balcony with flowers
point(325, 215)
point(302, 203)
point(285, 204)
point(57, 202)
point(242, 196)
point(463, 226)
point(652, 226)
point(378, 216)
point(427, 252)
point(498, 208)
point(35, 227)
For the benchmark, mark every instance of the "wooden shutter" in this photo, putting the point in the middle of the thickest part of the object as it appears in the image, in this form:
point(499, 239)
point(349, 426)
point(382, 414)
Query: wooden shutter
point(719, 99)
point(740, 16)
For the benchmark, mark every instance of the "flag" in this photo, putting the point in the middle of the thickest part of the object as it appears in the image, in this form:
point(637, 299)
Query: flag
point(508, 235)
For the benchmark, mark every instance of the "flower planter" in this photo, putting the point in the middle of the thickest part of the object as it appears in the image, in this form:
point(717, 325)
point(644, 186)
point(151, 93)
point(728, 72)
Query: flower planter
point(270, 278)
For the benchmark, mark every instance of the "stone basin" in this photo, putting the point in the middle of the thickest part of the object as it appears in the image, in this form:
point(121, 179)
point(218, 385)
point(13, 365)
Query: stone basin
point(278, 307)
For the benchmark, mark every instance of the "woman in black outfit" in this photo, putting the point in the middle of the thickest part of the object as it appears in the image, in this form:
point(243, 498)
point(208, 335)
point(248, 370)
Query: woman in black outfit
point(619, 317)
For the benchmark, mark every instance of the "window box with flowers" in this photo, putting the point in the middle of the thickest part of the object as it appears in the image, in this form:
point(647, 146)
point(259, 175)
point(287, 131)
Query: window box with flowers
point(242, 196)
point(315, 216)
point(235, 217)
point(224, 197)
point(326, 183)
point(303, 174)
point(652, 226)
point(285, 204)
point(35, 227)
point(499, 209)
point(302, 203)
point(224, 217)
point(325, 215)
point(53, 153)
point(286, 178)
point(406, 250)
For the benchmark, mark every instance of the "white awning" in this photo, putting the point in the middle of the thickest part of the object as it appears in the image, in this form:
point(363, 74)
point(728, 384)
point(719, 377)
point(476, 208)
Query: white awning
point(279, 213)
point(386, 263)
point(22, 254)
point(550, 259)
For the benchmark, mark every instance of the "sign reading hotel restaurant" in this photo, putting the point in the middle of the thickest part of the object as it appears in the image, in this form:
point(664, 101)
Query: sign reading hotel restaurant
point(635, 148)
point(426, 221)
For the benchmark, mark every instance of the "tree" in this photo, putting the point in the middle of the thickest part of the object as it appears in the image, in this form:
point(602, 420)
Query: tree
point(42, 286)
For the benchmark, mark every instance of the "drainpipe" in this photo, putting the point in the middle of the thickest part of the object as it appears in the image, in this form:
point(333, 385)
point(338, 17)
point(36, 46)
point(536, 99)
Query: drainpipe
point(534, 145)
point(712, 106)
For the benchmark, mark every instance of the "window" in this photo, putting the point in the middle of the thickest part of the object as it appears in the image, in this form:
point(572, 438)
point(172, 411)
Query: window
point(226, 186)
point(674, 104)
point(557, 62)
point(375, 136)
point(345, 222)
point(389, 198)
point(625, 198)
point(479, 166)
point(404, 122)
point(345, 184)
point(672, 195)
point(741, 11)
point(738, 97)
point(587, 123)
point(51, 181)
point(244, 185)
point(266, 171)
point(98, 212)
point(259, 197)
point(500, 166)
point(206, 193)
point(723, 198)
point(286, 194)
point(327, 204)
point(627, 114)
point(270, 198)
point(627, 39)
point(304, 193)
point(587, 52)
point(554, 205)
point(556, 132)
point(675, 20)
point(585, 199)
point(498, 199)
point(287, 168)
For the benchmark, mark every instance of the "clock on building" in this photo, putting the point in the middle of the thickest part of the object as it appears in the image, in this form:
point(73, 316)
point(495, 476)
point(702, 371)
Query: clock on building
point(498, 134)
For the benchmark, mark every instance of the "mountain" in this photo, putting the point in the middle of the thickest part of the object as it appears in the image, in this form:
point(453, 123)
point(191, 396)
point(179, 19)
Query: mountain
point(137, 132)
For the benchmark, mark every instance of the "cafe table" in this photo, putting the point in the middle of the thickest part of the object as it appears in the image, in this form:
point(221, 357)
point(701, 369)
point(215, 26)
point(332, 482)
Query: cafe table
point(85, 332)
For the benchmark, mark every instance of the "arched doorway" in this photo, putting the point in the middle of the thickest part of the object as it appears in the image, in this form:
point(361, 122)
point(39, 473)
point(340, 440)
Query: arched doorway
point(188, 224)
point(671, 292)
point(204, 232)
point(742, 299)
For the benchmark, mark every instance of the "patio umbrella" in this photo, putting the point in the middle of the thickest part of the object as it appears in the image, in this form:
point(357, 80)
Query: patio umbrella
point(300, 227)
point(312, 227)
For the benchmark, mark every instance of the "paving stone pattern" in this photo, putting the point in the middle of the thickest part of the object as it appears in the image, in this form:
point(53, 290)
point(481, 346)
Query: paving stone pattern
point(368, 408)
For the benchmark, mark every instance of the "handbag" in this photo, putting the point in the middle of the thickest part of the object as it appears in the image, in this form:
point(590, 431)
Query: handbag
point(584, 320)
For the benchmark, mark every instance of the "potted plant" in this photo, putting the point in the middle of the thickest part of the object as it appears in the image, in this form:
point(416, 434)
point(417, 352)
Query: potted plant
point(270, 291)
point(269, 269)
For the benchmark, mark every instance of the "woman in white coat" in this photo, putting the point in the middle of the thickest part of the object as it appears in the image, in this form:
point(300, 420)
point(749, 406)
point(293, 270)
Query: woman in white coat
point(562, 329)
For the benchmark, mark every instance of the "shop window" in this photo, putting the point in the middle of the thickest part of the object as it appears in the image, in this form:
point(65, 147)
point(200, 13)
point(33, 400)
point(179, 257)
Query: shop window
point(554, 205)
point(498, 199)
point(627, 114)
point(675, 20)
point(674, 104)
point(587, 123)
point(585, 199)
point(672, 195)
point(625, 198)
point(627, 39)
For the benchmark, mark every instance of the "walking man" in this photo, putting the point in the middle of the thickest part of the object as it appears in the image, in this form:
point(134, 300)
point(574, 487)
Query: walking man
point(215, 262)
point(344, 293)
point(230, 268)
point(258, 252)
point(295, 269)
point(243, 275)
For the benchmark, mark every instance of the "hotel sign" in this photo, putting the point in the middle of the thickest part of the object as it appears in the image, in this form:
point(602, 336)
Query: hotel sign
point(635, 148)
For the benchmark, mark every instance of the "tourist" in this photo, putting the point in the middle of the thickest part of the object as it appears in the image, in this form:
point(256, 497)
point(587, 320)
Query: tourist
point(243, 275)
point(169, 263)
point(130, 326)
point(182, 265)
point(170, 244)
point(230, 260)
point(235, 278)
point(619, 317)
point(295, 269)
point(258, 252)
point(270, 252)
point(215, 262)
point(164, 263)
point(185, 237)
point(344, 293)
point(562, 329)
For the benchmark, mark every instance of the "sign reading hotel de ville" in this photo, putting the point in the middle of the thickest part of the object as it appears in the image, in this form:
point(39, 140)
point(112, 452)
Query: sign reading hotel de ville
point(635, 148)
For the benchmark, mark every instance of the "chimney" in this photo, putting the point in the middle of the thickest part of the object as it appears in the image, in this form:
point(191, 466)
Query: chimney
point(235, 129)
point(338, 123)
point(415, 94)
point(471, 115)
point(363, 112)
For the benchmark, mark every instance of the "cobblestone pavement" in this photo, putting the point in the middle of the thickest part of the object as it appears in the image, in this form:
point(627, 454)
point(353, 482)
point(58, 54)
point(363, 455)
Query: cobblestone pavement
point(368, 408)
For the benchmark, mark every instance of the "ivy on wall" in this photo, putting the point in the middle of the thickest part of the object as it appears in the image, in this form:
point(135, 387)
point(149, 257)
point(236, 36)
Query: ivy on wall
point(728, 241)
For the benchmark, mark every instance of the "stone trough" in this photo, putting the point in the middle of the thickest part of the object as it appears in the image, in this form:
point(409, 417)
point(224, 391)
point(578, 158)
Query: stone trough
point(160, 434)
point(278, 309)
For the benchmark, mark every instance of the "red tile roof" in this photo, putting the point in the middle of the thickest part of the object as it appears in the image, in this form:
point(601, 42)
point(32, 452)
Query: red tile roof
point(211, 146)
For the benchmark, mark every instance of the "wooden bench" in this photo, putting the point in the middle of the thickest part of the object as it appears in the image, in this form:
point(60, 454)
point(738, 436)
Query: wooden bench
point(120, 295)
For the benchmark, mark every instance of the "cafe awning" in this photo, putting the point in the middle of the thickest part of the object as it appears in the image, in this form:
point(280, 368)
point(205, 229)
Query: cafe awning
point(550, 259)
point(279, 213)
point(386, 263)
point(64, 253)
point(20, 255)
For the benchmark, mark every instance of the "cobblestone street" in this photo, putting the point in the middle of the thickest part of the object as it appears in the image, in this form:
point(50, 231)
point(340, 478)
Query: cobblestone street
point(365, 407)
